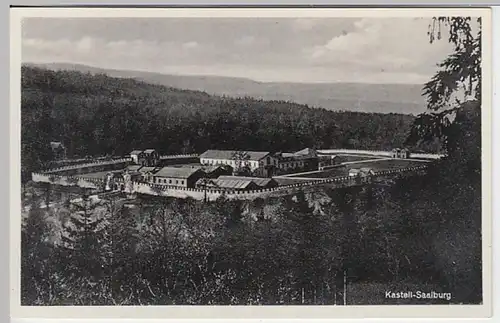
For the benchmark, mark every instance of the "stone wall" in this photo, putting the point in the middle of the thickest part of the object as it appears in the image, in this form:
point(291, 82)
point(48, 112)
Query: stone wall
point(100, 166)
point(91, 183)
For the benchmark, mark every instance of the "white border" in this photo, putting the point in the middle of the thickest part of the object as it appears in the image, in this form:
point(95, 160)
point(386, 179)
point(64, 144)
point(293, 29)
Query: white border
point(176, 312)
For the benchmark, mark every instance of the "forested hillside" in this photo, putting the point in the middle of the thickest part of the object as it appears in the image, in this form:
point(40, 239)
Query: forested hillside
point(100, 115)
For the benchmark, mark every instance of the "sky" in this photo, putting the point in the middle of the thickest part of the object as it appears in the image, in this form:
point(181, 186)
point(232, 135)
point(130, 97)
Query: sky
point(305, 50)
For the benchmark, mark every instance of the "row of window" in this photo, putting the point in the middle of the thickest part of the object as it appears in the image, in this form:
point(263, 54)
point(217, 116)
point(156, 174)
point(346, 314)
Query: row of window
point(253, 163)
point(170, 181)
point(232, 162)
point(291, 164)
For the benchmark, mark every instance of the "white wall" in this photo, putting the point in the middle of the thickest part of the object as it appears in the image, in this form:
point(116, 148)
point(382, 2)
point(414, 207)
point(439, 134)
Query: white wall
point(253, 164)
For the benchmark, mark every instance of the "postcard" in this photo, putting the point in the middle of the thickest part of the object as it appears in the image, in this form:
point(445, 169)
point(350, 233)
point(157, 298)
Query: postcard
point(250, 162)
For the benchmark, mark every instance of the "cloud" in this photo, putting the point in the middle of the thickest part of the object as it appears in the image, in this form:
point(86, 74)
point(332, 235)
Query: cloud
point(295, 50)
point(389, 45)
point(304, 23)
point(112, 54)
point(246, 40)
point(86, 45)
point(190, 45)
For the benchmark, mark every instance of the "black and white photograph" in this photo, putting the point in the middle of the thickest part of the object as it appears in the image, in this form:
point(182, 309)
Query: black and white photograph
point(253, 160)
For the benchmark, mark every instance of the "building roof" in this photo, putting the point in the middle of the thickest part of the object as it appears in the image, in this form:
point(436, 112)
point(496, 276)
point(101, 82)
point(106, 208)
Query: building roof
point(176, 172)
point(56, 145)
point(306, 151)
point(135, 152)
point(228, 154)
point(226, 183)
point(149, 151)
point(147, 169)
point(133, 168)
point(210, 169)
point(260, 181)
point(363, 170)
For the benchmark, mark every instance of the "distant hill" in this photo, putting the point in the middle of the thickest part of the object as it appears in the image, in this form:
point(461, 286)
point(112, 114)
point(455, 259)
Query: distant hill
point(379, 98)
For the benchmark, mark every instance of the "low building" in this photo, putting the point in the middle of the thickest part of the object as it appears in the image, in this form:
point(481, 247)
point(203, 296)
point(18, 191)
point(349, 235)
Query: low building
point(178, 176)
point(400, 153)
point(238, 185)
point(147, 173)
point(262, 182)
point(131, 174)
point(361, 172)
point(241, 183)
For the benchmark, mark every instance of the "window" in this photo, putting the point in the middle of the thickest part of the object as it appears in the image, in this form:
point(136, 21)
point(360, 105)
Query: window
point(182, 182)
point(268, 160)
point(170, 181)
point(176, 182)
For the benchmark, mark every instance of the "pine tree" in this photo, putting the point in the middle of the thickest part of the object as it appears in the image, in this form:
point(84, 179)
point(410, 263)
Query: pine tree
point(36, 260)
point(306, 227)
point(124, 264)
point(87, 254)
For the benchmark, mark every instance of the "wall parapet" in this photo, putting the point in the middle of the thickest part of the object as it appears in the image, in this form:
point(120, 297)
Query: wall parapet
point(378, 153)
point(92, 164)
point(199, 193)
point(179, 156)
point(110, 162)
point(80, 181)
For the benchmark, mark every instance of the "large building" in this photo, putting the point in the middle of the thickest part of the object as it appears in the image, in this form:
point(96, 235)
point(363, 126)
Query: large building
point(253, 160)
point(178, 176)
point(262, 163)
point(302, 160)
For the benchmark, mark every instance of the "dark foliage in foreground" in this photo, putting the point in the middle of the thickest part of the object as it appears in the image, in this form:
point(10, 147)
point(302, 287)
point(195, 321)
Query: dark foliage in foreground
point(420, 233)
